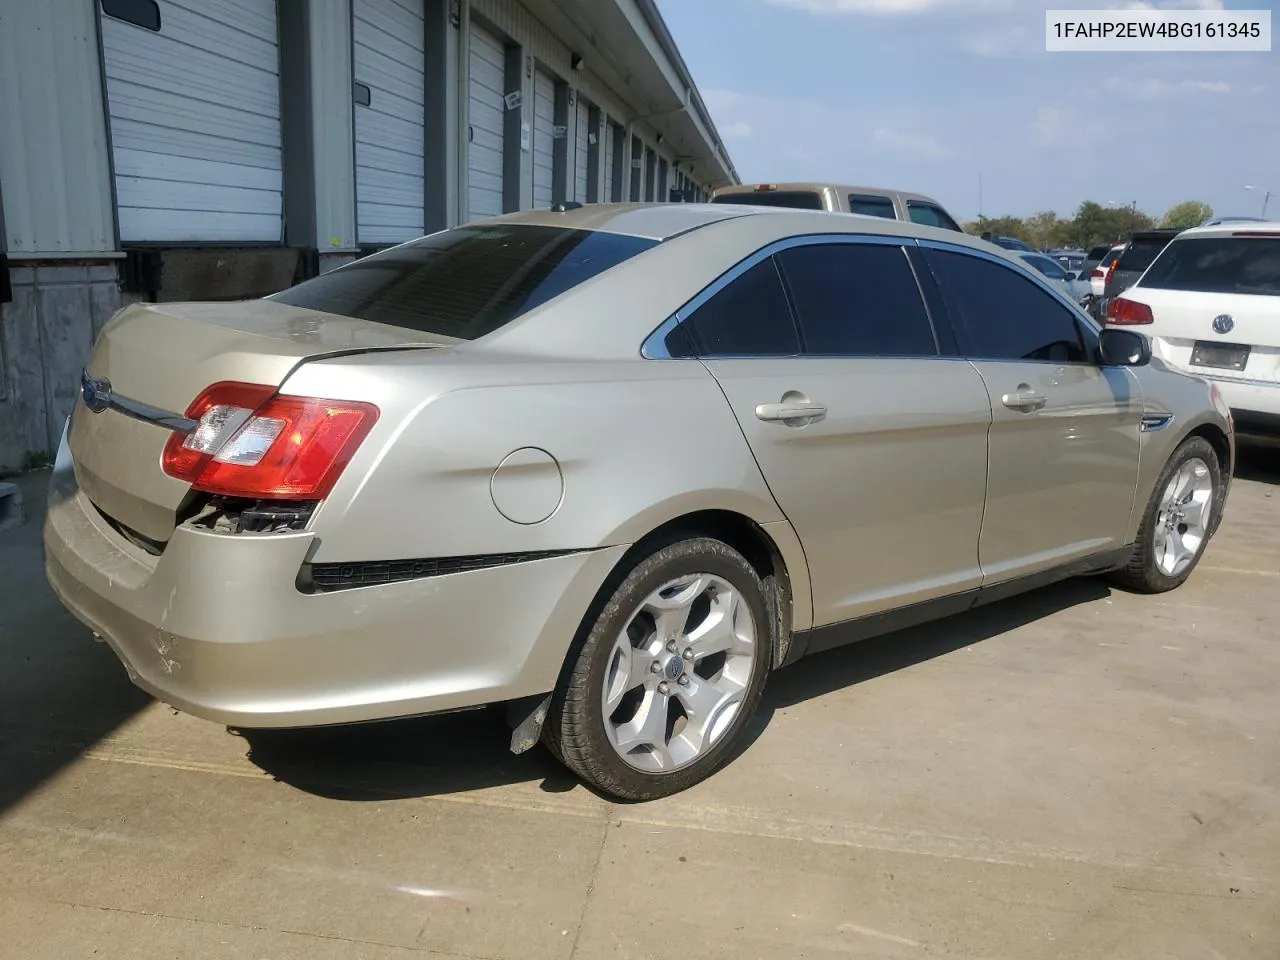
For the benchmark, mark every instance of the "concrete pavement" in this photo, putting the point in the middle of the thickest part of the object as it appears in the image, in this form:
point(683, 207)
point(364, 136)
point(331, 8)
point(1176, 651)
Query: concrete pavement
point(1075, 773)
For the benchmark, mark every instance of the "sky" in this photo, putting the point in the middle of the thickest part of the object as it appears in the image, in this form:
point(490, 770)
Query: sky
point(935, 95)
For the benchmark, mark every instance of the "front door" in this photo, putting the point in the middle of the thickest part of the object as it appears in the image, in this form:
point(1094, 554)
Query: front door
point(873, 445)
point(1065, 435)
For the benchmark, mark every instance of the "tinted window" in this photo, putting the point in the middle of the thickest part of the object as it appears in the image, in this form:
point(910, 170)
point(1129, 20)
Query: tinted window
point(1048, 267)
point(1219, 265)
point(748, 318)
point(872, 206)
point(857, 300)
point(802, 199)
point(1097, 253)
point(930, 215)
point(1003, 315)
point(465, 282)
point(1141, 252)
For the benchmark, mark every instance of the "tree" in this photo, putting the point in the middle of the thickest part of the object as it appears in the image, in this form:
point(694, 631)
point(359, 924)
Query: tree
point(1044, 230)
point(1189, 214)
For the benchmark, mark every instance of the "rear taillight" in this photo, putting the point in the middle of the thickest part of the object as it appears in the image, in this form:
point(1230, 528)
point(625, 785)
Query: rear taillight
point(251, 442)
point(1122, 312)
point(1097, 273)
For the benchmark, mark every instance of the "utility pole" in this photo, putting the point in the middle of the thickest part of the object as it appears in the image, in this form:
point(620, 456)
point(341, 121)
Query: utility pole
point(979, 194)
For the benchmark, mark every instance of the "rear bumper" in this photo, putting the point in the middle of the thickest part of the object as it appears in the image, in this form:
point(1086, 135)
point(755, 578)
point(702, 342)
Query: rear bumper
point(217, 628)
point(1247, 398)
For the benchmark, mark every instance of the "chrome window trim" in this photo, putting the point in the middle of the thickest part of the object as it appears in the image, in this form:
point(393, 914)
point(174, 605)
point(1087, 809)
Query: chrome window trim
point(654, 347)
point(1092, 328)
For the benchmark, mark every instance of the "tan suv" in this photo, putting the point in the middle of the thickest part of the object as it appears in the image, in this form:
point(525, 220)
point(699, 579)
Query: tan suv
point(842, 198)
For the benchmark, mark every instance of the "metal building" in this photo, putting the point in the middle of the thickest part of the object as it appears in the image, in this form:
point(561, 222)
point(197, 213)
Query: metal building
point(216, 149)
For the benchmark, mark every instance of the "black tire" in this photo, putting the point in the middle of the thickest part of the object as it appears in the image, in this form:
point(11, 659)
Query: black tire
point(575, 728)
point(1142, 574)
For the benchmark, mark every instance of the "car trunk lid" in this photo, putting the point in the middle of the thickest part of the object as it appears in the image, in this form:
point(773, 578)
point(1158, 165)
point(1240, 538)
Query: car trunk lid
point(1222, 335)
point(160, 357)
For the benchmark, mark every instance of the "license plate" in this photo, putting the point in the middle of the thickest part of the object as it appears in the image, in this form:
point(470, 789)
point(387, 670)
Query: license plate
point(1224, 356)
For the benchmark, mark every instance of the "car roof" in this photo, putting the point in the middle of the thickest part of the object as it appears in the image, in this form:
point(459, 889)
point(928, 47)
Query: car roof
point(1247, 228)
point(664, 221)
point(814, 186)
point(1160, 233)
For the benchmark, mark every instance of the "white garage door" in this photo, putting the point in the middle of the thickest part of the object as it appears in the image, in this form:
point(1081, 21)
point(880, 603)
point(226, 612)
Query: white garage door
point(195, 122)
point(610, 139)
point(581, 151)
point(544, 114)
point(484, 151)
point(390, 61)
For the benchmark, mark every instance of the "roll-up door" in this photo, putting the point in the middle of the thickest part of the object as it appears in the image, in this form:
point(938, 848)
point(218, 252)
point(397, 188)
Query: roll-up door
point(610, 139)
point(487, 66)
point(544, 119)
point(650, 167)
point(194, 109)
point(581, 150)
point(663, 194)
point(389, 63)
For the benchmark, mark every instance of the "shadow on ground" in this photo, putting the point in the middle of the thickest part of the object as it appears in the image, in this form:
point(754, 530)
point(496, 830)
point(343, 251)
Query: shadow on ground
point(468, 751)
point(60, 692)
point(1258, 460)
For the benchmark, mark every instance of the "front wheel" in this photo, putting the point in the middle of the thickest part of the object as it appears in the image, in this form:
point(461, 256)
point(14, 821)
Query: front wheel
point(659, 694)
point(1179, 519)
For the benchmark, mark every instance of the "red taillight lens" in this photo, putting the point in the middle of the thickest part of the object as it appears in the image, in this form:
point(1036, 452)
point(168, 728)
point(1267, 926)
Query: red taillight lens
point(252, 443)
point(1097, 273)
point(1122, 312)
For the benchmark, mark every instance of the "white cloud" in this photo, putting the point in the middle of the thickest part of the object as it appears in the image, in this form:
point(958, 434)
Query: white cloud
point(736, 130)
point(1061, 126)
point(914, 144)
point(1155, 89)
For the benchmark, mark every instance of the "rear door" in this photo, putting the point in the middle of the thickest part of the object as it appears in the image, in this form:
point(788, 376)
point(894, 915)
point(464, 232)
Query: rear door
point(873, 444)
point(1064, 443)
point(1137, 256)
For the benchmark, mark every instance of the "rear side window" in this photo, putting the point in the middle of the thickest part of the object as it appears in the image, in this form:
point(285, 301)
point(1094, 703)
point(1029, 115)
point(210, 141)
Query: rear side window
point(800, 199)
point(857, 300)
point(930, 215)
point(1141, 252)
point(750, 317)
point(870, 206)
point(465, 282)
point(1003, 315)
point(1048, 267)
point(1097, 253)
point(1248, 265)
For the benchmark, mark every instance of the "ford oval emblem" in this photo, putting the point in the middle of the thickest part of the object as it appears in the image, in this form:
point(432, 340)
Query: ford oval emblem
point(1223, 323)
point(96, 393)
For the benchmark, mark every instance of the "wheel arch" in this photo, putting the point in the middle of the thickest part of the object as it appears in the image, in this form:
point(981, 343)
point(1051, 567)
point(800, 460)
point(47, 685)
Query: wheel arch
point(1218, 439)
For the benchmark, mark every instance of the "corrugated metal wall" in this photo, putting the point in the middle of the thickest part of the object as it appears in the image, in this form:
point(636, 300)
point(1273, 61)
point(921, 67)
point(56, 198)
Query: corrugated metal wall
point(53, 130)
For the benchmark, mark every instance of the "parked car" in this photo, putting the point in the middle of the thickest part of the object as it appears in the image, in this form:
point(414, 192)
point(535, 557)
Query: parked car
point(605, 467)
point(1009, 243)
point(1138, 254)
point(1100, 271)
point(841, 198)
point(1210, 303)
point(1067, 281)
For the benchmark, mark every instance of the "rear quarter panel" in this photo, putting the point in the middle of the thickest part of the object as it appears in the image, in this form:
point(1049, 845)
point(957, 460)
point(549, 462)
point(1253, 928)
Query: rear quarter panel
point(632, 445)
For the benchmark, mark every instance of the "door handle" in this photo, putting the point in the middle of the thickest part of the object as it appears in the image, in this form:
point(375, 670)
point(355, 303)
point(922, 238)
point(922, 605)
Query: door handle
point(790, 410)
point(1024, 399)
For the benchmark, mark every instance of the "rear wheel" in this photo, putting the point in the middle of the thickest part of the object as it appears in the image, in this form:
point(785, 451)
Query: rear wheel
point(660, 692)
point(1178, 521)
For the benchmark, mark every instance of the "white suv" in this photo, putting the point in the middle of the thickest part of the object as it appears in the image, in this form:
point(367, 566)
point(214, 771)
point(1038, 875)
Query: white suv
point(1211, 301)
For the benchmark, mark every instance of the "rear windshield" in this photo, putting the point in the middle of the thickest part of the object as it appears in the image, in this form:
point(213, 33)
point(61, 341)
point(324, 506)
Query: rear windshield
point(465, 282)
point(801, 199)
point(1048, 267)
point(1219, 265)
point(872, 206)
point(1097, 253)
point(1141, 252)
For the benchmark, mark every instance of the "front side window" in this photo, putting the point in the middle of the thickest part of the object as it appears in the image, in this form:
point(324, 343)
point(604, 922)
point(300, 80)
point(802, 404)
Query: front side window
point(857, 300)
point(1249, 265)
point(871, 206)
point(930, 215)
point(465, 282)
point(749, 317)
point(1048, 267)
point(1002, 315)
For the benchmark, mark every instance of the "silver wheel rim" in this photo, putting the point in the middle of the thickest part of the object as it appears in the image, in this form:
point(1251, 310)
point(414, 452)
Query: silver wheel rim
point(1182, 518)
point(678, 671)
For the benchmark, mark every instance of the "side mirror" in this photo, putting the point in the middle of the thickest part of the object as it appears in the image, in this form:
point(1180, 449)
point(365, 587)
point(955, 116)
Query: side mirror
point(1072, 275)
point(1124, 348)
